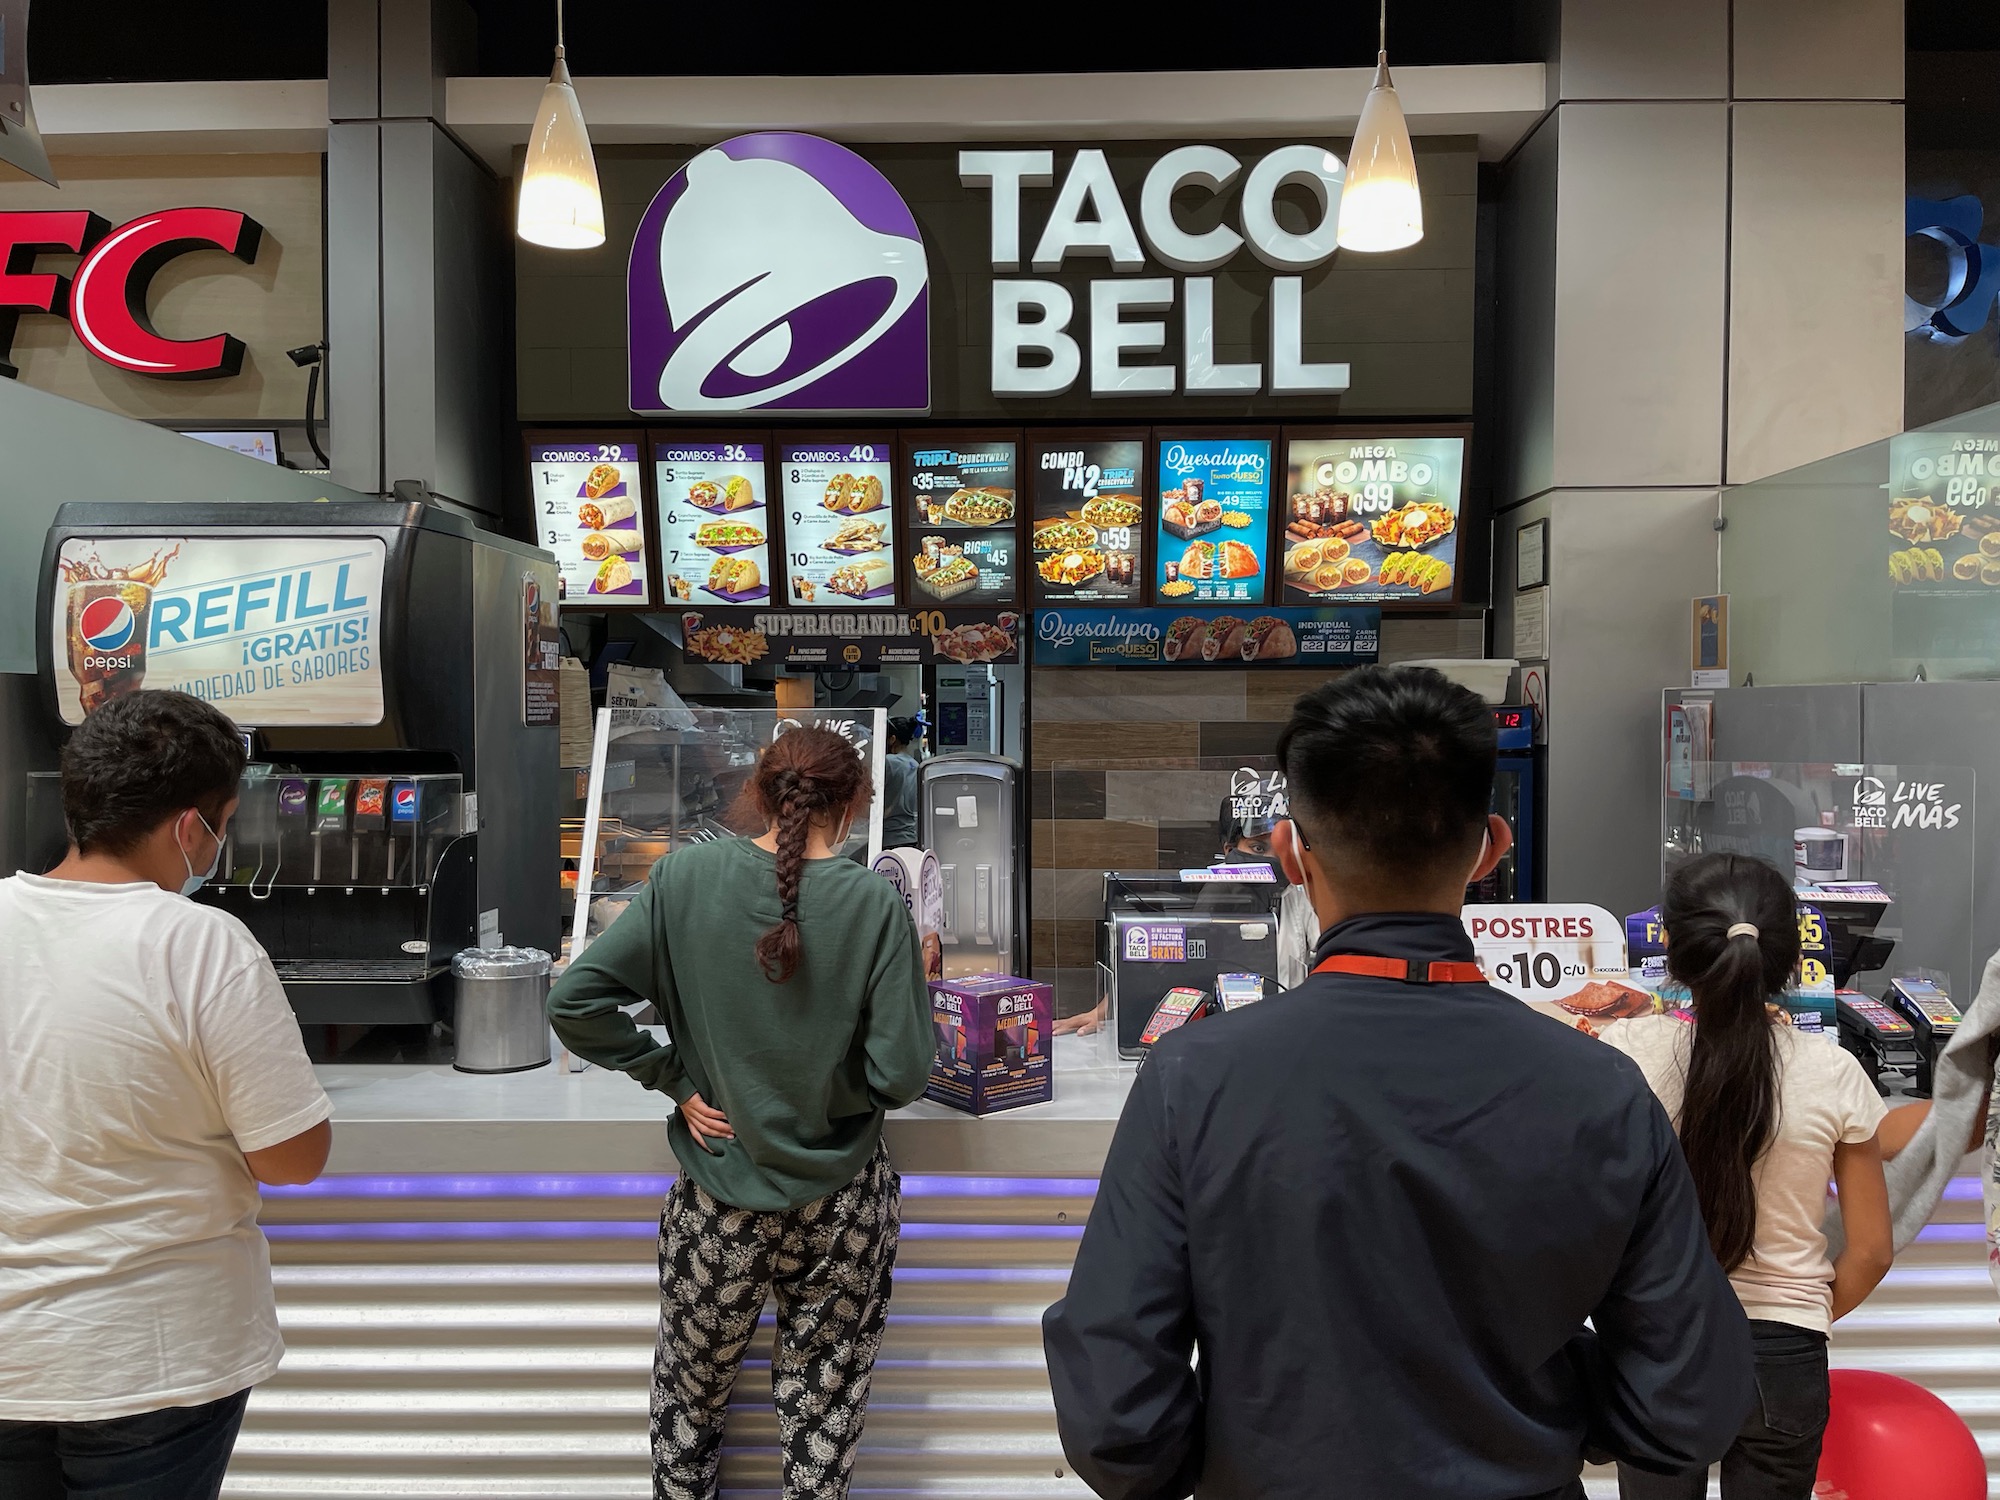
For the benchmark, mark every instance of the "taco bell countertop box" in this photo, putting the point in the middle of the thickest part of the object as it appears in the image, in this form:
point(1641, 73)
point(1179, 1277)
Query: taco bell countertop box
point(992, 1033)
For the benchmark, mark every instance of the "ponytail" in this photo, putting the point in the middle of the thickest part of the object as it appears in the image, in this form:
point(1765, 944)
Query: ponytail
point(805, 775)
point(1733, 939)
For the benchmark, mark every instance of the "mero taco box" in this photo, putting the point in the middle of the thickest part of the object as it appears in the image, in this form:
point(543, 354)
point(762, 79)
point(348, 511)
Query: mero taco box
point(992, 1033)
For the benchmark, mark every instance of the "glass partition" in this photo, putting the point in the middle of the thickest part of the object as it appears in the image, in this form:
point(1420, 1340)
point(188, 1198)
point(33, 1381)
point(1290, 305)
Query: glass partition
point(662, 779)
point(1871, 564)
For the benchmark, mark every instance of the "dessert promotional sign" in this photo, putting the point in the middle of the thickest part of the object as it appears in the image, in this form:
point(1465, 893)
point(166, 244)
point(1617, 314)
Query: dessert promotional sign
point(1215, 520)
point(964, 544)
point(590, 512)
point(1089, 522)
point(863, 638)
point(1944, 543)
point(715, 528)
point(1372, 519)
point(840, 532)
point(1281, 637)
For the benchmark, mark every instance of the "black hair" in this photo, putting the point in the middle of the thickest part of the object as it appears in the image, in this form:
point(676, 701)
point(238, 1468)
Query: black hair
point(1389, 772)
point(903, 729)
point(1729, 1107)
point(143, 758)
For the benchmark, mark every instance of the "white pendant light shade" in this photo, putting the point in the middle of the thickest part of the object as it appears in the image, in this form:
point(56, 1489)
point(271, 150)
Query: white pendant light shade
point(560, 206)
point(1380, 205)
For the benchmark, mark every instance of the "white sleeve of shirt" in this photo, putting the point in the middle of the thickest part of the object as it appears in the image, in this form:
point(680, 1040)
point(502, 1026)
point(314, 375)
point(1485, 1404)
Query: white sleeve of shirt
point(1859, 1108)
point(250, 1041)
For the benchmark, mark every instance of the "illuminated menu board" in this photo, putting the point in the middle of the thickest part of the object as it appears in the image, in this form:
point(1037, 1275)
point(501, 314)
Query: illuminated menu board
point(589, 511)
point(840, 523)
point(1372, 519)
point(715, 529)
point(963, 542)
point(1215, 520)
point(1089, 521)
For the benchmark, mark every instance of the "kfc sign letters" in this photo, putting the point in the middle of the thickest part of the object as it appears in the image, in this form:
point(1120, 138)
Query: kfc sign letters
point(106, 300)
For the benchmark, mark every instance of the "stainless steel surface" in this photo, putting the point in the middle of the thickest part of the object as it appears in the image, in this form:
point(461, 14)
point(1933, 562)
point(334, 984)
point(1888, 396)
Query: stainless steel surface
point(499, 1024)
point(979, 859)
point(445, 1344)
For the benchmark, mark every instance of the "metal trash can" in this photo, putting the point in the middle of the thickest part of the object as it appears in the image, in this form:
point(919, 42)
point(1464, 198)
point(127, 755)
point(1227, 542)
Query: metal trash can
point(499, 1018)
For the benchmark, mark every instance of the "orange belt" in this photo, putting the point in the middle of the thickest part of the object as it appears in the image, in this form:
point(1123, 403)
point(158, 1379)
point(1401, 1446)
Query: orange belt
point(1408, 970)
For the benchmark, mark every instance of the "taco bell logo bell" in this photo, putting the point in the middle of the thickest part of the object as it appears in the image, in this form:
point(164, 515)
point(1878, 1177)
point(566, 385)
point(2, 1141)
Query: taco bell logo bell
point(778, 272)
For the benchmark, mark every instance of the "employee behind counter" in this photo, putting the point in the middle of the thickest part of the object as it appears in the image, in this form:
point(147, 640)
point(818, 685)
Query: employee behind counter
point(1245, 822)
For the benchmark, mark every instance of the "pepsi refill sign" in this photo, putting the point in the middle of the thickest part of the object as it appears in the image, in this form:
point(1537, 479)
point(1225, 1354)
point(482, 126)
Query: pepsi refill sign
point(273, 630)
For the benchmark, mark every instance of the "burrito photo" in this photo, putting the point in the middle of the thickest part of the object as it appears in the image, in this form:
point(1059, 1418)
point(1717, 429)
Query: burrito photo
point(862, 576)
point(598, 515)
point(600, 545)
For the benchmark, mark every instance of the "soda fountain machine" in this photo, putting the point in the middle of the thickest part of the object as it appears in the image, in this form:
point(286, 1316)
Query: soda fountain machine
point(971, 819)
point(392, 669)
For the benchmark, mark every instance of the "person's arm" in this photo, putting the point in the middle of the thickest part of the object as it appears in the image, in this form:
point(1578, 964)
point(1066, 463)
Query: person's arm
point(1901, 1124)
point(616, 970)
point(295, 1162)
point(896, 1041)
point(1864, 1215)
point(1120, 1342)
point(1669, 1371)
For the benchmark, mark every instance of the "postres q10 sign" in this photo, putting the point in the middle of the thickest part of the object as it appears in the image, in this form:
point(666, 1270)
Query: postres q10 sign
point(273, 630)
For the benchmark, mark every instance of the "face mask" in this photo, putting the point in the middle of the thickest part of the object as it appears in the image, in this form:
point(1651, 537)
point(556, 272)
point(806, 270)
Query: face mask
point(195, 882)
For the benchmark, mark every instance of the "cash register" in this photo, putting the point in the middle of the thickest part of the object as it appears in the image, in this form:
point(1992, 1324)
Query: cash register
point(1182, 930)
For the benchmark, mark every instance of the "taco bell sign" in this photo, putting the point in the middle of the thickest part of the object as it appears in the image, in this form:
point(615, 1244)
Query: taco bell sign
point(778, 272)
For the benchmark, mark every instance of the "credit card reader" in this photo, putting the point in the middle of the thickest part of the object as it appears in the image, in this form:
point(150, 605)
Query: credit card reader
point(1929, 1010)
point(1876, 1035)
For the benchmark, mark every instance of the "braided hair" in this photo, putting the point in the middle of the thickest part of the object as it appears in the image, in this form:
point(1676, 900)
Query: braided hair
point(805, 775)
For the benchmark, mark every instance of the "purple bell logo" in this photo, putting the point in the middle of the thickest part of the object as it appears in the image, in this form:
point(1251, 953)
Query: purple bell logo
point(778, 272)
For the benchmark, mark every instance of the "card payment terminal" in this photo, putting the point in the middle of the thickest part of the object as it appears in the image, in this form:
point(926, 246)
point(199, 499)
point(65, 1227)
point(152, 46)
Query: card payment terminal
point(1924, 1004)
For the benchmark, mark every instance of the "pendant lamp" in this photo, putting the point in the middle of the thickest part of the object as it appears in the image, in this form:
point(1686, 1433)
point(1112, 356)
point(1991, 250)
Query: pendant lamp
point(560, 206)
point(1381, 207)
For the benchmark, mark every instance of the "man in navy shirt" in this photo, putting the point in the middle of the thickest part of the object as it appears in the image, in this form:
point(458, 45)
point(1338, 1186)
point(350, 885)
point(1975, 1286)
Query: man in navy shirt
point(1347, 1240)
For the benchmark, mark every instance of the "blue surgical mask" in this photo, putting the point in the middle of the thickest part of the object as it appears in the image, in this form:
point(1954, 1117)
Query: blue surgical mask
point(195, 882)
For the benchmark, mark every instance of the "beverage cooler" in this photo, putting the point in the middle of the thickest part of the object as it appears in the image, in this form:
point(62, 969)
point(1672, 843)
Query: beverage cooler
point(393, 671)
point(972, 820)
point(1518, 797)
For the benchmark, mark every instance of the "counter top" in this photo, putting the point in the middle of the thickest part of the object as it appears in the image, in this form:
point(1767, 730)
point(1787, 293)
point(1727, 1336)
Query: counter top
point(435, 1119)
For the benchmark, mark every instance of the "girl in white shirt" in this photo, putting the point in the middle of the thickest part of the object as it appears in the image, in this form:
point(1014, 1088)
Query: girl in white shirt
point(1766, 1116)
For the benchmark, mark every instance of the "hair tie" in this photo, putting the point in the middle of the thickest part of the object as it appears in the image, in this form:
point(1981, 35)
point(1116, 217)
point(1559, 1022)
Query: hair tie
point(1744, 929)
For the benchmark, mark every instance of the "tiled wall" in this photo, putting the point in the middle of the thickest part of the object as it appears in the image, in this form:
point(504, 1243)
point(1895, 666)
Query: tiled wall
point(1128, 769)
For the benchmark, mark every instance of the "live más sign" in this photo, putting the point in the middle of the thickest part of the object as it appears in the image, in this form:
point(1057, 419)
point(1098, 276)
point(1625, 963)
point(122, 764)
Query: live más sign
point(105, 301)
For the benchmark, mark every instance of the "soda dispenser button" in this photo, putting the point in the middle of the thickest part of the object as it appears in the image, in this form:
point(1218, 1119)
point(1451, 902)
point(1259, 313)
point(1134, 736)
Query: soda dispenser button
point(968, 812)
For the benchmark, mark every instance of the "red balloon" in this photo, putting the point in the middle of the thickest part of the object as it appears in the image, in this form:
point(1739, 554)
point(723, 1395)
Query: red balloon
point(1890, 1439)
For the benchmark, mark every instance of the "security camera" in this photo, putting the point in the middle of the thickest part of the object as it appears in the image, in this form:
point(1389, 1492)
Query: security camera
point(305, 354)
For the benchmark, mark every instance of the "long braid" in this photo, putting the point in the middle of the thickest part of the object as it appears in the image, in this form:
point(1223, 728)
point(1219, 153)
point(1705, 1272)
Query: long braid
point(804, 776)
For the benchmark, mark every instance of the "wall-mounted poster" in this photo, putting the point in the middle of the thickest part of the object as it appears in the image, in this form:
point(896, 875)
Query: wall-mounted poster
point(1215, 519)
point(1282, 637)
point(1944, 544)
point(840, 522)
point(715, 529)
point(851, 638)
point(963, 538)
point(1372, 518)
point(590, 512)
point(1089, 518)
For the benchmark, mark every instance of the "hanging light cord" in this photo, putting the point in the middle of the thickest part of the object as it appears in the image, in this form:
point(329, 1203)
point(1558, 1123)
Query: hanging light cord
point(1382, 34)
point(559, 25)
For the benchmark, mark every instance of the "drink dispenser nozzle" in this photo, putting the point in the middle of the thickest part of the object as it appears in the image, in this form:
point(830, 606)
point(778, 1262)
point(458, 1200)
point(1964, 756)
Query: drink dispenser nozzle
point(370, 807)
point(294, 799)
point(404, 806)
point(329, 816)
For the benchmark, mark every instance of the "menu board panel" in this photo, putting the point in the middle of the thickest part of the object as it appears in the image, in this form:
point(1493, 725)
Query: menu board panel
point(1944, 544)
point(715, 529)
point(1088, 521)
point(852, 638)
point(1372, 518)
point(1215, 519)
point(1183, 637)
point(840, 523)
point(963, 538)
point(590, 512)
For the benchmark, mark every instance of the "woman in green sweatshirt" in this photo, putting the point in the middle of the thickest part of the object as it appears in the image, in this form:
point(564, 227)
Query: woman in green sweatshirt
point(794, 998)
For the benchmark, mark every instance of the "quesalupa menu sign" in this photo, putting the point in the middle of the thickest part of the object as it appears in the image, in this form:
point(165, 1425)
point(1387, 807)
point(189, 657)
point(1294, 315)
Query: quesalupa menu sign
point(1215, 519)
point(715, 529)
point(840, 523)
point(962, 534)
point(273, 630)
point(1372, 518)
point(1282, 637)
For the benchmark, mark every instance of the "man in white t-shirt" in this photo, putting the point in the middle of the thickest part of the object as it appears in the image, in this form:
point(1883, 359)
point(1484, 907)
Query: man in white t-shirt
point(151, 1075)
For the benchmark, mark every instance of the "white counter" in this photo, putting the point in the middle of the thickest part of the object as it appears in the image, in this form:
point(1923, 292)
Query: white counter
point(435, 1119)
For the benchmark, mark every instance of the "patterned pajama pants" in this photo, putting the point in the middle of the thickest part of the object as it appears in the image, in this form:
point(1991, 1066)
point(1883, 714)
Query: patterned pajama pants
point(829, 1265)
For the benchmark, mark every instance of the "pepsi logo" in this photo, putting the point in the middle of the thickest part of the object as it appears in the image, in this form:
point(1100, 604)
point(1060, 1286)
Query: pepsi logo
point(406, 801)
point(107, 624)
point(778, 271)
